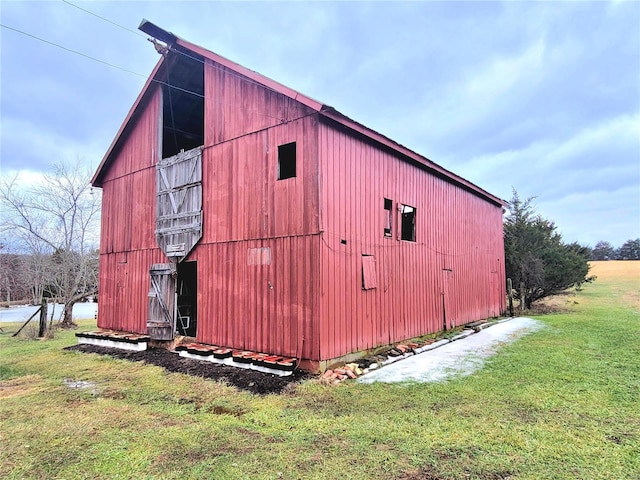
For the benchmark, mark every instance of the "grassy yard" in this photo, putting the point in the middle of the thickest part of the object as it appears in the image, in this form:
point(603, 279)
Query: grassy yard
point(563, 402)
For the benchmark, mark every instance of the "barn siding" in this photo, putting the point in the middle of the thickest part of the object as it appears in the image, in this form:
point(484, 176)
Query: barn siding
point(458, 249)
point(280, 261)
point(264, 307)
point(261, 307)
point(124, 285)
point(127, 244)
point(237, 106)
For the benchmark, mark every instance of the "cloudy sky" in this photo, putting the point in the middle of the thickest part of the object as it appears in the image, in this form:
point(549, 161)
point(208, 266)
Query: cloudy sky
point(543, 97)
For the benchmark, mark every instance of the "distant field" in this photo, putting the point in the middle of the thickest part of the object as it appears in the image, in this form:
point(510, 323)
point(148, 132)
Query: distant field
point(561, 403)
point(616, 270)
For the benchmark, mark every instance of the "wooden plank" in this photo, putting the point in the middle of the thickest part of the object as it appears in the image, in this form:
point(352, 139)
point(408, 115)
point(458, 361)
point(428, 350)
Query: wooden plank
point(179, 202)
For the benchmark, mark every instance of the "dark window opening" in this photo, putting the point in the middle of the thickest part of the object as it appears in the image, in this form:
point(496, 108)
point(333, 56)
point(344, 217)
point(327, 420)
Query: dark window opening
point(408, 225)
point(388, 216)
point(182, 104)
point(369, 280)
point(287, 161)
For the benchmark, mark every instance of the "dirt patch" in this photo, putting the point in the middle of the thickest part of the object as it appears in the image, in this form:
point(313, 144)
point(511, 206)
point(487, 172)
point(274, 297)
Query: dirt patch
point(249, 380)
point(18, 387)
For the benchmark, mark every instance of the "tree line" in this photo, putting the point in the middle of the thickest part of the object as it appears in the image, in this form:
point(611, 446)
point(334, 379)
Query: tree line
point(629, 250)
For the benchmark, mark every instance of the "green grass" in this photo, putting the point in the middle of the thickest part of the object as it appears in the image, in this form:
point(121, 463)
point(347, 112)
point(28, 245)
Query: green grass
point(562, 402)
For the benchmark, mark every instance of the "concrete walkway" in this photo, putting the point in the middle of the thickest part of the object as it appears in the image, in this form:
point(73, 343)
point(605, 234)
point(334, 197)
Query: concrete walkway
point(461, 357)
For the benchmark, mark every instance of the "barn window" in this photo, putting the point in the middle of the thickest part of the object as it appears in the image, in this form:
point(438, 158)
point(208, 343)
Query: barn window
point(369, 280)
point(388, 216)
point(287, 161)
point(408, 223)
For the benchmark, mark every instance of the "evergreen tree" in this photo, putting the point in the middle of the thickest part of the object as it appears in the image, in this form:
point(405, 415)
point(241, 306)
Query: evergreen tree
point(537, 260)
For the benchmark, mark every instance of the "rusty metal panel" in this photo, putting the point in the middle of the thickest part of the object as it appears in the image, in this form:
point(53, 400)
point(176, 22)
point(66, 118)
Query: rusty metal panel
point(455, 266)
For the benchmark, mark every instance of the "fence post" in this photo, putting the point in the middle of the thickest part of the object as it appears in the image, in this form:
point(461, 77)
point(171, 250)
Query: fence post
point(510, 296)
point(43, 318)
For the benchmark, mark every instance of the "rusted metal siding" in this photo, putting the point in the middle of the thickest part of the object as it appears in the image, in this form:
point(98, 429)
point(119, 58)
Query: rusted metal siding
point(455, 266)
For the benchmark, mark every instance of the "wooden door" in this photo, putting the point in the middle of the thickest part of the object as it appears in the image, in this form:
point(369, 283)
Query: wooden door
point(179, 203)
point(162, 299)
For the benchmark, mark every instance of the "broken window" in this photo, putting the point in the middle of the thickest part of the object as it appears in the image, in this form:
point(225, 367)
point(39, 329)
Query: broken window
point(287, 161)
point(408, 223)
point(388, 216)
point(369, 280)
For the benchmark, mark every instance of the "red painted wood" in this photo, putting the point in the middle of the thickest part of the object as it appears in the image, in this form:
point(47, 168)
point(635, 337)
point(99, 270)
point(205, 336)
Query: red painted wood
point(458, 250)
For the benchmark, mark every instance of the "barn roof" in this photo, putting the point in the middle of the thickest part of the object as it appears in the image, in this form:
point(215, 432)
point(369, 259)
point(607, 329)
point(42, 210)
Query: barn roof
point(325, 111)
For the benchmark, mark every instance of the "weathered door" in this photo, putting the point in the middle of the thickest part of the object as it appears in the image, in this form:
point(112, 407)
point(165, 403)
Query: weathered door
point(162, 300)
point(179, 203)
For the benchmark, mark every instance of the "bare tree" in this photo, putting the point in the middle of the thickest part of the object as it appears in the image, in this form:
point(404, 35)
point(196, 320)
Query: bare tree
point(57, 222)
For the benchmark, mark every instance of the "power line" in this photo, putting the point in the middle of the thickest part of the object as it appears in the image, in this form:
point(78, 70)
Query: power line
point(71, 50)
point(174, 50)
point(98, 60)
point(105, 19)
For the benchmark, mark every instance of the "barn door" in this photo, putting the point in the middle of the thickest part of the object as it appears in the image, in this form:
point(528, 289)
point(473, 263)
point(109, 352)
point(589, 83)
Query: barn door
point(162, 299)
point(179, 203)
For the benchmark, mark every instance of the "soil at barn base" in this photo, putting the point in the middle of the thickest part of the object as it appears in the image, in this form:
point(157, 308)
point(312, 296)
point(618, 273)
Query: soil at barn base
point(243, 379)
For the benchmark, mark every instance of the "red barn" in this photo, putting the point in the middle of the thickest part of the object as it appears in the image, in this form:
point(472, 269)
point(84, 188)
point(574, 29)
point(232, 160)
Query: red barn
point(247, 215)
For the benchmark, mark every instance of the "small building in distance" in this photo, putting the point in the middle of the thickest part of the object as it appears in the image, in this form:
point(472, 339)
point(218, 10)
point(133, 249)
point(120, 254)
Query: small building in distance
point(250, 216)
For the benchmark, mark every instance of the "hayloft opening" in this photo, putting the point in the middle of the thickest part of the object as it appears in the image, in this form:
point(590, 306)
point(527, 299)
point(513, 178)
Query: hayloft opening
point(408, 223)
point(182, 103)
point(287, 161)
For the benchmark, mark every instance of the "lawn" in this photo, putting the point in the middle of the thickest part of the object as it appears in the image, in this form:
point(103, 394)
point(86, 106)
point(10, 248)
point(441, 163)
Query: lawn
point(563, 402)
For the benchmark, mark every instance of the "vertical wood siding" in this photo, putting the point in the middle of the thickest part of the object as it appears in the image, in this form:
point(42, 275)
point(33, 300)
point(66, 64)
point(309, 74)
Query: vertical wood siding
point(455, 266)
point(127, 244)
point(258, 258)
point(237, 106)
point(242, 197)
point(268, 307)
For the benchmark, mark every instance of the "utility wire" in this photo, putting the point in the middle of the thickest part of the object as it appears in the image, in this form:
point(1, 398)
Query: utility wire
point(72, 51)
point(174, 50)
point(105, 19)
point(99, 61)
